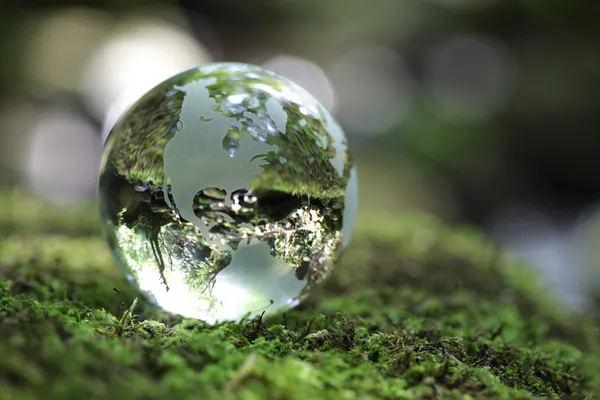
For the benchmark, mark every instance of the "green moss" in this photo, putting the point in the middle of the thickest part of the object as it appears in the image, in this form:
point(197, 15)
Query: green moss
point(415, 310)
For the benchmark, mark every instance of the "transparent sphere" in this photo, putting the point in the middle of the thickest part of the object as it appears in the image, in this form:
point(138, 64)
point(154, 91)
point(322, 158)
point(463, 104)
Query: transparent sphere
point(227, 191)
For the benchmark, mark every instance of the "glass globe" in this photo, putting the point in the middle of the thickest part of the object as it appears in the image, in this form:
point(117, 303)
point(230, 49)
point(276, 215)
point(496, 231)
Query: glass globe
point(227, 191)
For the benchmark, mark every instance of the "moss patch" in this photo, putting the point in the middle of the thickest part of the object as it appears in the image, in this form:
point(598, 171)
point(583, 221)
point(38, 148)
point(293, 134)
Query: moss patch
point(415, 310)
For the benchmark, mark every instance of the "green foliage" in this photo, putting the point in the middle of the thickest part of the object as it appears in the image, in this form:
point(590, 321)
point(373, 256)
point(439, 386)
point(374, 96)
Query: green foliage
point(414, 311)
point(137, 144)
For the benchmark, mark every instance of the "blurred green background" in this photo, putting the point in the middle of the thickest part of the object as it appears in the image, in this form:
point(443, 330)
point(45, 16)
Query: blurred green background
point(482, 112)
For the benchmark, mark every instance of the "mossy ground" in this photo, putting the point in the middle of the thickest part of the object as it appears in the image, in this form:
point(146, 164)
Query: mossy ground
point(415, 310)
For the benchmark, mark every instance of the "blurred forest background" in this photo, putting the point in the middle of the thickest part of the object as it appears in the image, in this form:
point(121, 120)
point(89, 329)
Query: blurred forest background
point(482, 112)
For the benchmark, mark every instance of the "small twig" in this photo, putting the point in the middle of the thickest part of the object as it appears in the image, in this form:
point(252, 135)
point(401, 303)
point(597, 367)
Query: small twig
point(242, 372)
point(117, 296)
point(497, 332)
point(129, 313)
